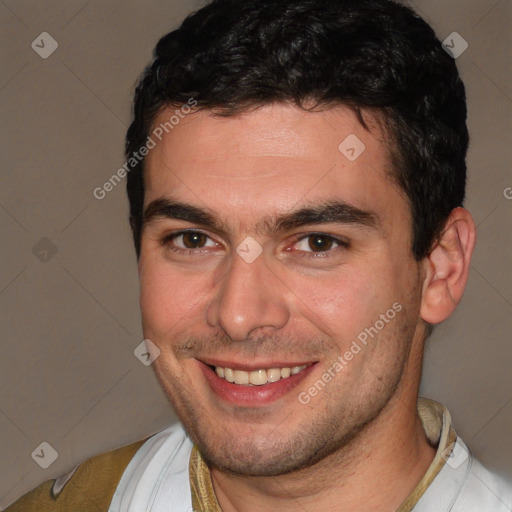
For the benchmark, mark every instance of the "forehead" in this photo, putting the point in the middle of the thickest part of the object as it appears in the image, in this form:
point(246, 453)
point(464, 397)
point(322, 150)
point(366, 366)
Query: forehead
point(271, 160)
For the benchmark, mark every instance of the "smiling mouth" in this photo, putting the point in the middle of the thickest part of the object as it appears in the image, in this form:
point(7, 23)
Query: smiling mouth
point(257, 377)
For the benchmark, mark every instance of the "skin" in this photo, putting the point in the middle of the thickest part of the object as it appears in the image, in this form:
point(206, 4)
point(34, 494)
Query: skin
point(359, 440)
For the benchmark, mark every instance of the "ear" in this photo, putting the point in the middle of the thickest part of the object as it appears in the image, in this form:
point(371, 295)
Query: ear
point(447, 267)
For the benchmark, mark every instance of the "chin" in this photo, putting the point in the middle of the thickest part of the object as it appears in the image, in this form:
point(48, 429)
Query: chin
point(248, 460)
point(264, 454)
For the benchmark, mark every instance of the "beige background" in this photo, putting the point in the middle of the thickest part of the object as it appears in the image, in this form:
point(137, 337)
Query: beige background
point(70, 324)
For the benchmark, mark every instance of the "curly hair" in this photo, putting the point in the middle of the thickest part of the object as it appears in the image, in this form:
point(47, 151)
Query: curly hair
point(376, 56)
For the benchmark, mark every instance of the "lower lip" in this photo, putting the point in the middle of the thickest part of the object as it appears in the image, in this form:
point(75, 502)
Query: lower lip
point(253, 396)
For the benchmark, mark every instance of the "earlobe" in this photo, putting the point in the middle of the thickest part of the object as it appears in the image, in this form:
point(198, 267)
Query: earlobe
point(447, 267)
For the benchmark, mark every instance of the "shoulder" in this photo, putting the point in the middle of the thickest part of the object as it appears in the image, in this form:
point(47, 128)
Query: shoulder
point(90, 486)
point(157, 474)
point(483, 491)
point(465, 485)
point(104, 481)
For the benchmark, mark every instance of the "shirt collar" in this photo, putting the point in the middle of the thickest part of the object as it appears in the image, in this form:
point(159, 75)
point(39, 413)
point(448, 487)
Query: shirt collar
point(436, 422)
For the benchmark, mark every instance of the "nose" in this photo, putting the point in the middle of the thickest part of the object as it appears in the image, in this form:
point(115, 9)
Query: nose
point(249, 297)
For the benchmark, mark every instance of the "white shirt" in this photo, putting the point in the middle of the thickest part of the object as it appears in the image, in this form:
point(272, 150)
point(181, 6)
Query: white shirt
point(157, 478)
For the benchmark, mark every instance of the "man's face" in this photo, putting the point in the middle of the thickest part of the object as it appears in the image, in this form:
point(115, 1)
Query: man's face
point(340, 270)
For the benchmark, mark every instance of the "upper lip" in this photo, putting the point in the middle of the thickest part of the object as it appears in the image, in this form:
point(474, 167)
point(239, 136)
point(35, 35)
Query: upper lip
point(252, 366)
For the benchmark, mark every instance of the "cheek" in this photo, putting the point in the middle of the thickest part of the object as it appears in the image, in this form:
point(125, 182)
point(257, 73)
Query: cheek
point(343, 303)
point(167, 297)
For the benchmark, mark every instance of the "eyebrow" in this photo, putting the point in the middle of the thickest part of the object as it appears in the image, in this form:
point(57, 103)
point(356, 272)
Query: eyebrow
point(326, 212)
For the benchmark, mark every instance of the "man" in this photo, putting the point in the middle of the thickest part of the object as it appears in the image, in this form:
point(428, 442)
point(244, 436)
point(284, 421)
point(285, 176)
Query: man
point(297, 216)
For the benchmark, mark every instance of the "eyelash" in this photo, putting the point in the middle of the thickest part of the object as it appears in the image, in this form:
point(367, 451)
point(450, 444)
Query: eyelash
point(342, 244)
point(166, 242)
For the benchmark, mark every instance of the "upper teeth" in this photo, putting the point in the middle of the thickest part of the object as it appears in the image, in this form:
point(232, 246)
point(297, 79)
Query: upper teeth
point(257, 377)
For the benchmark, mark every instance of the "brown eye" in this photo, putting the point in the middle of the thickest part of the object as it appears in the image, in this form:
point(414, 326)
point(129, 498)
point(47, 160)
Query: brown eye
point(194, 240)
point(190, 242)
point(320, 243)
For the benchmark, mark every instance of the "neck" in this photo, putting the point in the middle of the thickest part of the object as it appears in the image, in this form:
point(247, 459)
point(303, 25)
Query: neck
point(378, 468)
